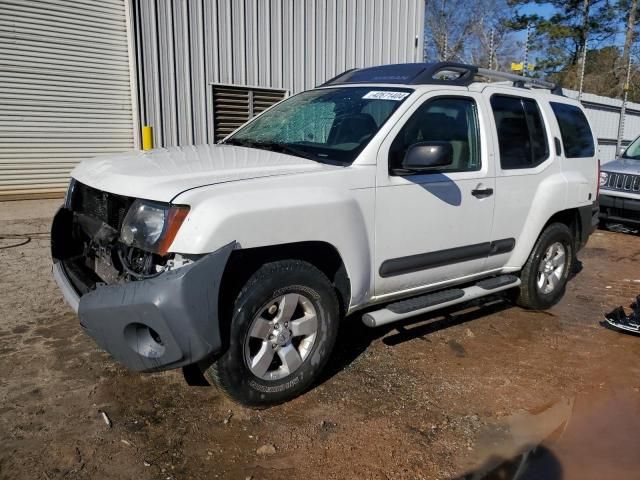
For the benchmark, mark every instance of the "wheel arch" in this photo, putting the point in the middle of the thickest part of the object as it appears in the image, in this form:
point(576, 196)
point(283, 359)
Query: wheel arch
point(571, 218)
point(324, 256)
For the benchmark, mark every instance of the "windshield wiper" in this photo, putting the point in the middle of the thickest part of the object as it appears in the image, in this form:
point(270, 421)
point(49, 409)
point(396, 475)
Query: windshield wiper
point(284, 148)
point(239, 143)
point(274, 147)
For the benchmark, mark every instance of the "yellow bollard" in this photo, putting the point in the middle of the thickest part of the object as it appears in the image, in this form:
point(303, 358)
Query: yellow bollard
point(147, 137)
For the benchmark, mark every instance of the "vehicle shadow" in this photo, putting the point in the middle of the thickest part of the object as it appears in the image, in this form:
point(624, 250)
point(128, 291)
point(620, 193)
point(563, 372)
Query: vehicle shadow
point(354, 337)
point(441, 186)
point(575, 269)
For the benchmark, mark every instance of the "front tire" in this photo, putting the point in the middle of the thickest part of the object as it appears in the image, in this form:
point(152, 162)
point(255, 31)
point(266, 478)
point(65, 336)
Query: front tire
point(545, 275)
point(283, 329)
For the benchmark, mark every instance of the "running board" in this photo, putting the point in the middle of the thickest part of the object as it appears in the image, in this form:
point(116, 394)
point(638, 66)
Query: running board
point(434, 301)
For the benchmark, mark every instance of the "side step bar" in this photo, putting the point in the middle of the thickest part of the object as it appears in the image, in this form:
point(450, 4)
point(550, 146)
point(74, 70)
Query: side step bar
point(437, 300)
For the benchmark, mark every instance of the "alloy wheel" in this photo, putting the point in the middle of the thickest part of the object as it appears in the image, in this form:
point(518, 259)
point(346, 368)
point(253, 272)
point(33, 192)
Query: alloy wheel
point(281, 336)
point(551, 268)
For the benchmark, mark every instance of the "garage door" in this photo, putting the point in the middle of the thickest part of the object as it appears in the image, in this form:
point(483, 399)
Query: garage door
point(65, 90)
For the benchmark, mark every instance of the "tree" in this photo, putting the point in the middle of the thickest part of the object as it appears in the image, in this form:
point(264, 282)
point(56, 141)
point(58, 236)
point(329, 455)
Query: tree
point(599, 67)
point(633, 19)
point(460, 30)
point(563, 36)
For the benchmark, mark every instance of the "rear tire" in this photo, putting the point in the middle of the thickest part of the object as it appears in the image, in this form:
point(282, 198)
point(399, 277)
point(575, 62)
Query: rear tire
point(545, 275)
point(283, 329)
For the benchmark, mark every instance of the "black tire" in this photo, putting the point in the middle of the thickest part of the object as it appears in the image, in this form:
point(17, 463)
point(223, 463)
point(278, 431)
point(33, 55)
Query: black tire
point(231, 372)
point(530, 295)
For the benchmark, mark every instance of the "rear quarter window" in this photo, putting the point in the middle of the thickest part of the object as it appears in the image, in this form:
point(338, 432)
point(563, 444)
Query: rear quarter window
point(577, 139)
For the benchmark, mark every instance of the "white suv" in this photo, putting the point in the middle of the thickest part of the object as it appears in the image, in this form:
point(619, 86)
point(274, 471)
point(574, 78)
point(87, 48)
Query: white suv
point(401, 189)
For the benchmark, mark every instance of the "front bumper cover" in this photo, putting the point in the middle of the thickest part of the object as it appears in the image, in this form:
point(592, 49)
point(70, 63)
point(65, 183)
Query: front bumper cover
point(161, 323)
point(620, 209)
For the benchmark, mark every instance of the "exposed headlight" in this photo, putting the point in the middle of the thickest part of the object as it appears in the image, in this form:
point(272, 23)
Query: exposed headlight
point(604, 176)
point(152, 226)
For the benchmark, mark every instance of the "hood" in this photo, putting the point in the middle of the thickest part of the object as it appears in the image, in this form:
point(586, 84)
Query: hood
point(622, 165)
point(162, 174)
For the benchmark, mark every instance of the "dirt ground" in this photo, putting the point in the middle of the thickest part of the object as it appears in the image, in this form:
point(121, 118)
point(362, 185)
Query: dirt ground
point(439, 397)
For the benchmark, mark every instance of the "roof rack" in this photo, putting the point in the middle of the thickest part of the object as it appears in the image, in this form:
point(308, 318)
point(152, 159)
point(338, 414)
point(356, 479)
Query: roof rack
point(519, 80)
point(437, 73)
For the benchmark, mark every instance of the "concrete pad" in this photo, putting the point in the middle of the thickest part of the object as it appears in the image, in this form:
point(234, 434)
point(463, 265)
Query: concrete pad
point(29, 209)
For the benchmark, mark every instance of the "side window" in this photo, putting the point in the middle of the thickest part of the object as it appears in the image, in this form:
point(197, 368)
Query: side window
point(577, 139)
point(521, 135)
point(447, 119)
point(633, 150)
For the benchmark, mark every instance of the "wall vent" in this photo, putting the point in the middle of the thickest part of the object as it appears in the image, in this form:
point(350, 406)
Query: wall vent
point(234, 105)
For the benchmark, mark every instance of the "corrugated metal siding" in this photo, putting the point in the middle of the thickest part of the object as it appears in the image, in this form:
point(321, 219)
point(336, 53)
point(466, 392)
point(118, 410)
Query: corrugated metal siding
point(185, 46)
point(65, 89)
point(604, 115)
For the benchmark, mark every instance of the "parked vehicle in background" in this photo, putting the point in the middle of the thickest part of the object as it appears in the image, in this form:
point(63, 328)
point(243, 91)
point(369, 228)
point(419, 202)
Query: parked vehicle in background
point(400, 188)
point(620, 187)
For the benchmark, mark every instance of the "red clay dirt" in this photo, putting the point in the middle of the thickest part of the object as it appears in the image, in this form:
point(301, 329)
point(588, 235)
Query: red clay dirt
point(474, 390)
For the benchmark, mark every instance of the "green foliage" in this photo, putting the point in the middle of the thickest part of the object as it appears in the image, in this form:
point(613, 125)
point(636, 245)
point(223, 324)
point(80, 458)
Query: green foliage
point(562, 35)
point(558, 40)
point(559, 30)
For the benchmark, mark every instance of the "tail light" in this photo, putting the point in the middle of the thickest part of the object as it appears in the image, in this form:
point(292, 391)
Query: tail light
point(598, 182)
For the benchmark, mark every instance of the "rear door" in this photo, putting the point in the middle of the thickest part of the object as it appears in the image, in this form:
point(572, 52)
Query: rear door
point(525, 159)
point(434, 227)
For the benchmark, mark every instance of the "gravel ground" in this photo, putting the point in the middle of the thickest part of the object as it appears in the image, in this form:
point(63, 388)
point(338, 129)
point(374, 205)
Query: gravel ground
point(439, 397)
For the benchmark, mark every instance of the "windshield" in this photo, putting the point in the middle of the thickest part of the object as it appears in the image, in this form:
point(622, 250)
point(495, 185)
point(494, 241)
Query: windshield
point(633, 150)
point(330, 125)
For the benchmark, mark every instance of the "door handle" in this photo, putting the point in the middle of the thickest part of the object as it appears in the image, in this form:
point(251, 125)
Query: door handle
point(482, 192)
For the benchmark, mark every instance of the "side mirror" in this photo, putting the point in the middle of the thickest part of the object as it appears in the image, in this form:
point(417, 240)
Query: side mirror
point(427, 156)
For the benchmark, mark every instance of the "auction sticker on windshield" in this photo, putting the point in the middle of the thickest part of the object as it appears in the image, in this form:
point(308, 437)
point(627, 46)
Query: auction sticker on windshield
point(382, 95)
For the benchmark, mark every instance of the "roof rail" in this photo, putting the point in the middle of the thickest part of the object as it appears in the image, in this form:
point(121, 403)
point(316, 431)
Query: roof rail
point(437, 73)
point(519, 80)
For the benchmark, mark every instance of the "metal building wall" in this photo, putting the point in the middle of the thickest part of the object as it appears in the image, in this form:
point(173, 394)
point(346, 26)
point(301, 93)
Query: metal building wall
point(65, 90)
point(185, 45)
point(604, 115)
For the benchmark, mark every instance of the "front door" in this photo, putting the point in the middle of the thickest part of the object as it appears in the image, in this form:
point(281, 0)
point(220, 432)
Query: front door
point(435, 226)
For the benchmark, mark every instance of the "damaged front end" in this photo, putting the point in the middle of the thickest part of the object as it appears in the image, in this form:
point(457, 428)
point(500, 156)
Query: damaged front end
point(150, 309)
point(100, 239)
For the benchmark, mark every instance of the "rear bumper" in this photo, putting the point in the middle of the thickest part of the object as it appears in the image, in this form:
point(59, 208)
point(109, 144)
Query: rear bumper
point(589, 217)
point(161, 323)
point(620, 209)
